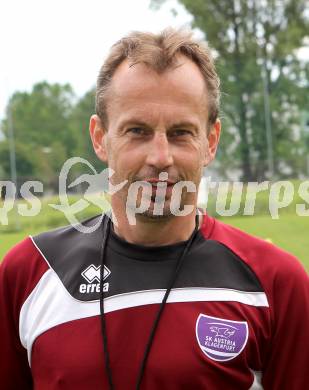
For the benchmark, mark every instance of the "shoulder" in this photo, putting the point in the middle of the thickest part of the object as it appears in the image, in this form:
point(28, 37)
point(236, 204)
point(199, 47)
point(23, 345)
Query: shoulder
point(25, 264)
point(69, 241)
point(276, 269)
point(259, 254)
point(21, 260)
point(20, 271)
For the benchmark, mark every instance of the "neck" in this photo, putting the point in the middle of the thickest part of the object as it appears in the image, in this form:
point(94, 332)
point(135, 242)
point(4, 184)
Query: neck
point(155, 231)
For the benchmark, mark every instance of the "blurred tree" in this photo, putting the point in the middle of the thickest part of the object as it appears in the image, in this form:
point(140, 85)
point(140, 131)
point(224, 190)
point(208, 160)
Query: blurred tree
point(42, 116)
point(256, 39)
point(50, 126)
point(79, 123)
point(41, 122)
point(24, 160)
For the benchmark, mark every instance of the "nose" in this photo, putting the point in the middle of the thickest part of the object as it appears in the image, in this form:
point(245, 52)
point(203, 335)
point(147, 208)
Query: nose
point(159, 154)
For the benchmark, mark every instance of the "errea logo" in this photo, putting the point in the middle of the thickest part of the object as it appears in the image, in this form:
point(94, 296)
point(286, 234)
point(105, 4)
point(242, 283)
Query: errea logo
point(92, 275)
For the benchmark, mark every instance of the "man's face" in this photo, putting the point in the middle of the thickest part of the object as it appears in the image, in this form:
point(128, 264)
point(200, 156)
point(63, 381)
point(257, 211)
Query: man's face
point(156, 123)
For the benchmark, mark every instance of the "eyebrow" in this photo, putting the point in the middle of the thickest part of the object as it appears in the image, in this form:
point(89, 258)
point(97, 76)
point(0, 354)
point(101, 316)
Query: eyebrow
point(137, 122)
point(134, 122)
point(182, 125)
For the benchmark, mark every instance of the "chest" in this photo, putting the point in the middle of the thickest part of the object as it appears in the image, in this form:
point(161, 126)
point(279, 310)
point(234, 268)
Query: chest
point(194, 347)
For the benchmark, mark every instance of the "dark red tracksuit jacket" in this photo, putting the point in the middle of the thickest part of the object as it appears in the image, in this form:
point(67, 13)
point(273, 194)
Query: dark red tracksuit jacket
point(237, 317)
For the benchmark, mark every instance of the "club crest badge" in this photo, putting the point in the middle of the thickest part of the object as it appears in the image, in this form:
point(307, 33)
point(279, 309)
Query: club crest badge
point(221, 339)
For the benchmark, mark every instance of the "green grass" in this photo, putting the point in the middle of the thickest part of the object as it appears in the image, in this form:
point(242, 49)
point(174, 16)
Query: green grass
point(48, 218)
point(264, 203)
point(289, 232)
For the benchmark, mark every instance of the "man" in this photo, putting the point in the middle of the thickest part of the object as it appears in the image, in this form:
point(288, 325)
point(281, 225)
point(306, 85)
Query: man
point(174, 300)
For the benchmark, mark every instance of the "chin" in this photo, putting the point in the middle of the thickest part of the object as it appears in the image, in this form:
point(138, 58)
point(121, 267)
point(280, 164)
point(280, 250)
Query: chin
point(149, 215)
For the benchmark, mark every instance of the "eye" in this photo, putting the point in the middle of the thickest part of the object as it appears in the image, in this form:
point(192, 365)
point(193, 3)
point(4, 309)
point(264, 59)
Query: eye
point(180, 133)
point(138, 131)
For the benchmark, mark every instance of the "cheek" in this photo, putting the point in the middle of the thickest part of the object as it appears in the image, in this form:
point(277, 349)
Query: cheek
point(195, 158)
point(125, 162)
point(205, 153)
point(190, 166)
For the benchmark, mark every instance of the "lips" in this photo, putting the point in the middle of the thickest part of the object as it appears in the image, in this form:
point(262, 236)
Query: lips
point(156, 182)
point(161, 190)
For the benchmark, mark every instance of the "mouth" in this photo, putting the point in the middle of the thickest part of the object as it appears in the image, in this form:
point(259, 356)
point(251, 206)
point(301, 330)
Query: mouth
point(160, 183)
point(161, 190)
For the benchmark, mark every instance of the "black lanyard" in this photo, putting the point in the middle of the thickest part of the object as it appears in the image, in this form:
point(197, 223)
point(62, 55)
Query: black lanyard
point(106, 231)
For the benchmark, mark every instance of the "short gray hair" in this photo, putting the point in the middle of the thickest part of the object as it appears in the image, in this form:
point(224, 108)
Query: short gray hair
point(159, 52)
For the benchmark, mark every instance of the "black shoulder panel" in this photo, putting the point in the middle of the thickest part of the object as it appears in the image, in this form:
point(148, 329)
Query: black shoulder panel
point(69, 252)
point(75, 257)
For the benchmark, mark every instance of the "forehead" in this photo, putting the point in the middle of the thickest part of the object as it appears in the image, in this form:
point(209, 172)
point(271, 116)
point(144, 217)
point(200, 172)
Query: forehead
point(140, 90)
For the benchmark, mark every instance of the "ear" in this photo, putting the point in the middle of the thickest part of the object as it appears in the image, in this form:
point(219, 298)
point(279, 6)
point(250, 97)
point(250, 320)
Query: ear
point(98, 135)
point(213, 141)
